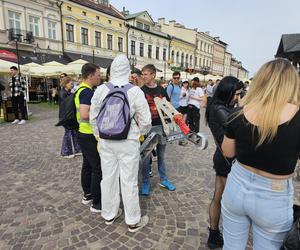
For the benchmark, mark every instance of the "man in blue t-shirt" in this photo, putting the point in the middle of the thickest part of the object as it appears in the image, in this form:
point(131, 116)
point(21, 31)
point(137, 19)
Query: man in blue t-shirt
point(173, 90)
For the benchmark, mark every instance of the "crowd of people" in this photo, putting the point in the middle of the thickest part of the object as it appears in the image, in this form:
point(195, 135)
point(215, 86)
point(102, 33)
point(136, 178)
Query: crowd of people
point(256, 130)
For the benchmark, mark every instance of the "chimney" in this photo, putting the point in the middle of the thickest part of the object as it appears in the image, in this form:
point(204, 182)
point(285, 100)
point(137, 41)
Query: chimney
point(125, 12)
point(161, 21)
point(207, 33)
point(172, 23)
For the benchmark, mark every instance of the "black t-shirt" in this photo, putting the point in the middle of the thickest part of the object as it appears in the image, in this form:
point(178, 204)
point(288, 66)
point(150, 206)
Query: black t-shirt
point(277, 157)
point(150, 94)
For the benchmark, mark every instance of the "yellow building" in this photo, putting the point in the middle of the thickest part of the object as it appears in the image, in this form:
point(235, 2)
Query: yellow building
point(181, 54)
point(92, 30)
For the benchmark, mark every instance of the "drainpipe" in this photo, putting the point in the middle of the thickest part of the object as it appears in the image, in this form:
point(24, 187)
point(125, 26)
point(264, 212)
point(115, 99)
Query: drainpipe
point(59, 4)
point(127, 38)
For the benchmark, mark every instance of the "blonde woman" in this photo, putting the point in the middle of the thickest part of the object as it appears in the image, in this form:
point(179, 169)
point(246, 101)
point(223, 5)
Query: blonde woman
point(264, 136)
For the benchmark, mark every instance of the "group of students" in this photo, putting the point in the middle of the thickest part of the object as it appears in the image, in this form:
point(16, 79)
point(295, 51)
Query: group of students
point(258, 145)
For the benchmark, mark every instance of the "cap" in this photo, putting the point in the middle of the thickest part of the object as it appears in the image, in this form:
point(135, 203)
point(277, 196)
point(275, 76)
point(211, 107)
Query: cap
point(185, 80)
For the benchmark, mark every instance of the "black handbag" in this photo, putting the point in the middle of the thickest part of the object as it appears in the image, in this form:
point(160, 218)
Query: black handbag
point(292, 240)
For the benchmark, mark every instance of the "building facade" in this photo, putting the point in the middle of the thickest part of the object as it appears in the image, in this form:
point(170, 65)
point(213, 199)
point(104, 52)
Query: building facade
point(204, 51)
point(35, 25)
point(218, 57)
point(93, 30)
point(146, 45)
point(227, 64)
point(234, 67)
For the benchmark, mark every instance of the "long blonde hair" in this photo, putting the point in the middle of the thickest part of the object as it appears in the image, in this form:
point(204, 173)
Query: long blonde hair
point(276, 83)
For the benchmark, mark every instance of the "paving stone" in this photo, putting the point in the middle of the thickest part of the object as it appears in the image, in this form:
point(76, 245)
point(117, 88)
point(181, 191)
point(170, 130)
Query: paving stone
point(42, 209)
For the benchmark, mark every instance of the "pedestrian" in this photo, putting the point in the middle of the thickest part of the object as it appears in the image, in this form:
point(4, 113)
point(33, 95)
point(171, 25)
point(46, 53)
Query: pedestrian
point(196, 100)
point(136, 77)
point(218, 110)
point(174, 91)
point(152, 90)
point(120, 157)
point(264, 137)
point(18, 88)
point(91, 174)
point(2, 88)
point(70, 139)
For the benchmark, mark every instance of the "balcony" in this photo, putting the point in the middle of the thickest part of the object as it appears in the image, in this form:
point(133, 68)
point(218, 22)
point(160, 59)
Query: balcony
point(21, 36)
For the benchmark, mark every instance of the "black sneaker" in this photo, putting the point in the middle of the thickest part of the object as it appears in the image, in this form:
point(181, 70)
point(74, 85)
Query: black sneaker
point(95, 208)
point(86, 199)
point(215, 239)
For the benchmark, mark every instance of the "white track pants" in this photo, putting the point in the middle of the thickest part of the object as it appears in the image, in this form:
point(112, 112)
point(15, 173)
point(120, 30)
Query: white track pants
point(120, 165)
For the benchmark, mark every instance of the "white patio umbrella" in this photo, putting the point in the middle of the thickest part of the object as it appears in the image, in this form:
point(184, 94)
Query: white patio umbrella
point(53, 63)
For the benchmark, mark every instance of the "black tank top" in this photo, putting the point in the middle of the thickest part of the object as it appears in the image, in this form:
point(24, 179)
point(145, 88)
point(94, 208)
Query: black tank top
point(278, 157)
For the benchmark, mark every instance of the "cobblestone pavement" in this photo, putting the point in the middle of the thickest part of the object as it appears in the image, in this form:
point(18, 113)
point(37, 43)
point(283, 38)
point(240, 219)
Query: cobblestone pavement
point(40, 196)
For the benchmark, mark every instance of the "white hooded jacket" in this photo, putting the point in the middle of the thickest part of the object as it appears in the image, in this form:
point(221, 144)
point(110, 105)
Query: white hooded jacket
point(119, 76)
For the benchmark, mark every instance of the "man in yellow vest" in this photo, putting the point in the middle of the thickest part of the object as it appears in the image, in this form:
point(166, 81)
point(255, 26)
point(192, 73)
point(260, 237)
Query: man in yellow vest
point(91, 174)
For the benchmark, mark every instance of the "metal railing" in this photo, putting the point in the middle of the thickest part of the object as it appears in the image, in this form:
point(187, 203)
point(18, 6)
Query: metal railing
point(21, 36)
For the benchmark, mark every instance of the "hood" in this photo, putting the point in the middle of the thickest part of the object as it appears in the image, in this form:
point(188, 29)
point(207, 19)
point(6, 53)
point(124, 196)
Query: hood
point(120, 71)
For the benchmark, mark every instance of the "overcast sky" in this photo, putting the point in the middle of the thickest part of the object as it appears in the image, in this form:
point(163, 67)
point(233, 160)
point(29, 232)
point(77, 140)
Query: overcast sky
point(252, 28)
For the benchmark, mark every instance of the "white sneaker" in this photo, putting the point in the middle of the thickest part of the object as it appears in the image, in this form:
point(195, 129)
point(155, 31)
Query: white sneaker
point(109, 222)
point(143, 222)
point(68, 156)
point(22, 122)
point(15, 121)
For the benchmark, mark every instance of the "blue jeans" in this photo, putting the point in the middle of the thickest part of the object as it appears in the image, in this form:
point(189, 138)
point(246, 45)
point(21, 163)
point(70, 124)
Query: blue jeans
point(161, 148)
point(251, 199)
point(67, 145)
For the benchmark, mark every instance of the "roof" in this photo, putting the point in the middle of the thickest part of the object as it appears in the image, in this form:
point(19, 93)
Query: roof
point(289, 43)
point(135, 15)
point(107, 9)
point(154, 32)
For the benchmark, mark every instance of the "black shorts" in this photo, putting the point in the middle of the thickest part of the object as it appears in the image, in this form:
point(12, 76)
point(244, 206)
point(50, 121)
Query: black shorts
point(183, 110)
point(221, 166)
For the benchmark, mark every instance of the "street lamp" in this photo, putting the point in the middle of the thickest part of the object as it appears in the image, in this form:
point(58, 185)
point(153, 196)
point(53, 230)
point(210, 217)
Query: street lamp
point(132, 61)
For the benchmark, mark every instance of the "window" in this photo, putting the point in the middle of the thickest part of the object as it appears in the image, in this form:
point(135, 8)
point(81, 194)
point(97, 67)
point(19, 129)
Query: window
point(14, 20)
point(109, 21)
point(133, 48)
point(139, 25)
point(120, 25)
point(84, 36)
point(164, 54)
point(191, 60)
point(109, 42)
point(84, 13)
point(182, 59)
point(34, 25)
point(147, 27)
point(196, 61)
point(141, 49)
point(70, 32)
point(120, 44)
point(98, 39)
point(157, 53)
point(149, 51)
point(177, 57)
point(172, 56)
point(69, 8)
point(51, 30)
point(97, 18)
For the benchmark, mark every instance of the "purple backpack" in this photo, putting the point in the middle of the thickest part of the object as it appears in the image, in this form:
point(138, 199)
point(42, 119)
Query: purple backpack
point(114, 119)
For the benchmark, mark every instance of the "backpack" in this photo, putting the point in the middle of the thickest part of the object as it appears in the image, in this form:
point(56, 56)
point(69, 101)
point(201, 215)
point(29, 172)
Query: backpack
point(67, 112)
point(113, 120)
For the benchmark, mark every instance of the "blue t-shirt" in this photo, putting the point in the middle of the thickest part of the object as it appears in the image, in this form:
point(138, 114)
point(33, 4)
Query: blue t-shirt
point(174, 94)
point(85, 96)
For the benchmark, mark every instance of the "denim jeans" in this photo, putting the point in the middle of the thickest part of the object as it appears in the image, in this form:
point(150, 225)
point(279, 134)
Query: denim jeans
point(67, 146)
point(161, 148)
point(253, 200)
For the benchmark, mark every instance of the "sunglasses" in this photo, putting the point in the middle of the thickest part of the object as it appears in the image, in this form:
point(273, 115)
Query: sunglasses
point(176, 78)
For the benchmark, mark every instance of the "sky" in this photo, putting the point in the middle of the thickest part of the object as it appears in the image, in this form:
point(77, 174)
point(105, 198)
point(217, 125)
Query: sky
point(251, 28)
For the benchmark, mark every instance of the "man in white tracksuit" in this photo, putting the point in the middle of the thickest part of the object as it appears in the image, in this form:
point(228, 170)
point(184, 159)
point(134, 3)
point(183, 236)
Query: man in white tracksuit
point(120, 158)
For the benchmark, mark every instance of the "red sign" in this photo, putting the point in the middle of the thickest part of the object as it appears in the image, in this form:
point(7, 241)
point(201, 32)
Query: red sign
point(7, 55)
